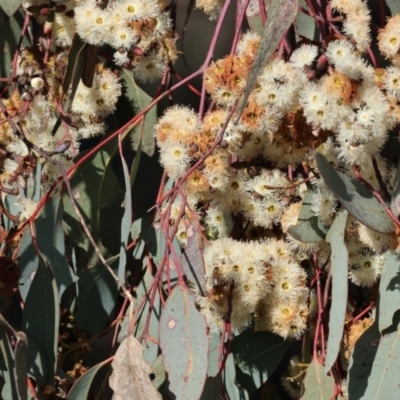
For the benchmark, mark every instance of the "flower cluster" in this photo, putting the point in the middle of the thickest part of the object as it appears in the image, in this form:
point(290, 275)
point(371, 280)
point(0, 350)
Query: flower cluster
point(255, 278)
point(140, 34)
point(252, 184)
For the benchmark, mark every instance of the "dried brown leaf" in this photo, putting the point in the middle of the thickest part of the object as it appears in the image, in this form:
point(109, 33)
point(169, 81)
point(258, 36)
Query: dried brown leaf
point(131, 374)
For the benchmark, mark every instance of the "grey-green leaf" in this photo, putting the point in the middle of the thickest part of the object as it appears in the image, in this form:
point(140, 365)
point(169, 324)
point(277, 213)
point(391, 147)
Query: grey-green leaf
point(94, 186)
point(374, 367)
point(317, 385)
point(21, 364)
point(281, 14)
point(11, 28)
point(305, 25)
point(80, 389)
point(394, 6)
point(41, 318)
point(355, 197)
point(389, 290)
point(97, 296)
point(7, 366)
point(150, 349)
point(51, 246)
point(10, 6)
point(339, 270)
point(309, 228)
point(141, 133)
point(229, 381)
point(125, 223)
point(257, 354)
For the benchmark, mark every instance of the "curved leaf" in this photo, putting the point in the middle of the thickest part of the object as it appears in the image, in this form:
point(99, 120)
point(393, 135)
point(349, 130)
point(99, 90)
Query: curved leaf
point(374, 367)
point(212, 389)
point(97, 296)
point(51, 246)
point(139, 99)
point(11, 28)
point(253, 15)
point(394, 6)
point(184, 344)
point(389, 290)
point(80, 389)
point(94, 186)
point(309, 228)
point(21, 364)
point(317, 385)
point(305, 25)
point(213, 354)
point(9, 388)
point(150, 349)
point(130, 378)
point(355, 197)
point(257, 355)
point(281, 14)
point(229, 381)
point(192, 262)
point(339, 270)
point(125, 223)
point(41, 318)
point(10, 6)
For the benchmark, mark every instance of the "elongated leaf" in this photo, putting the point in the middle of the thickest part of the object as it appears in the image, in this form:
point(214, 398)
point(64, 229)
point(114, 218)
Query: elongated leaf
point(10, 33)
point(305, 25)
point(212, 389)
point(75, 67)
point(253, 16)
point(257, 355)
point(389, 290)
point(136, 163)
point(94, 186)
point(317, 385)
point(97, 296)
point(189, 11)
point(309, 228)
point(21, 364)
point(192, 262)
point(339, 270)
point(184, 344)
point(41, 318)
point(80, 389)
point(139, 225)
point(394, 6)
point(51, 246)
point(281, 14)
point(355, 197)
point(9, 388)
point(374, 367)
point(141, 133)
point(150, 349)
point(229, 381)
point(125, 223)
point(213, 354)
point(10, 6)
point(131, 374)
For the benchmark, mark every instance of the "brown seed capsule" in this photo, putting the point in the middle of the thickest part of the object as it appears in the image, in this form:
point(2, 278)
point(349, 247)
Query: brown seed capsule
point(61, 8)
point(70, 14)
